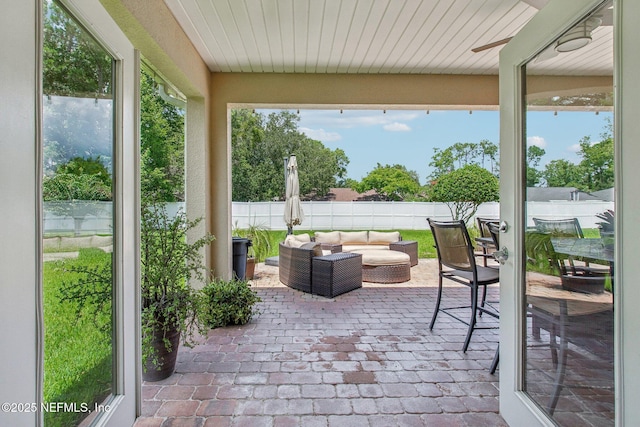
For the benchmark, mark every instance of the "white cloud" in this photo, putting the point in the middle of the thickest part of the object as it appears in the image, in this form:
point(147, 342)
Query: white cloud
point(574, 148)
point(538, 141)
point(321, 134)
point(396, 127)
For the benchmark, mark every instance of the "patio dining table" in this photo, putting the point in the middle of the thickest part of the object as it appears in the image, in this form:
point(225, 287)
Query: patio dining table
point(587, 249)
point(583, 319)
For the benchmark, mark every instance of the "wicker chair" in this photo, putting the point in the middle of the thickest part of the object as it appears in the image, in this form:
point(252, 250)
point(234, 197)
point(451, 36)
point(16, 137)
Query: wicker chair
point(456, 262)
point(306, 269)
point(294, 265)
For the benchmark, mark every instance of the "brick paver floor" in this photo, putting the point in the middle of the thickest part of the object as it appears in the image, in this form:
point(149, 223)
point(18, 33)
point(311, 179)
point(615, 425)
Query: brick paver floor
point(365, 358)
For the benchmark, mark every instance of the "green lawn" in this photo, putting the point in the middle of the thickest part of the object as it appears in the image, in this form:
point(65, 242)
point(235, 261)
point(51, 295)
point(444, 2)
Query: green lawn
point(426, 245)
point(78, 361)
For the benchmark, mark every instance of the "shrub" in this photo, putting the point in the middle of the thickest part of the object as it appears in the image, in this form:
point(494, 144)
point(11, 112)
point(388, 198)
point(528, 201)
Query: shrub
point(228, 303)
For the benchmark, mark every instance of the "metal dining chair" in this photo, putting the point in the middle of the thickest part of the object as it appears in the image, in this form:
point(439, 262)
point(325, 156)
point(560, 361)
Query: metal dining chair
point(484, 241)
point(569, 227)
point(456, 262)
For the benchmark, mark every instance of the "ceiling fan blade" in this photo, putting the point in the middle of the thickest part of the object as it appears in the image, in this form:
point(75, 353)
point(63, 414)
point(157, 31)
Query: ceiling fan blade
point(491, 45)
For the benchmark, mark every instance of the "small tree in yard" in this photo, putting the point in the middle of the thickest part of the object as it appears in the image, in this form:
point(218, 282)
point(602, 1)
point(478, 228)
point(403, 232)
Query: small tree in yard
point(464, 189)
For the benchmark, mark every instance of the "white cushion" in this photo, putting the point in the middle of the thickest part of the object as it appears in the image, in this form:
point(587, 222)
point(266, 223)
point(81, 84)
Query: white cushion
point(382, 257)
point(351, 248)
point(353, 237)
point(383, 237)
point(332, 237)
point(292, 242)
point(315, 247)
point(304, 237)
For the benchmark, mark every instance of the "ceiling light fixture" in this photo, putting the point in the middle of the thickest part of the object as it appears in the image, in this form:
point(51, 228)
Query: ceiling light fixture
point(578, 37)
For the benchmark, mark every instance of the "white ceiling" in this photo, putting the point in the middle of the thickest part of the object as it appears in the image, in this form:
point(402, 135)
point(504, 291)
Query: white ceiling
point(370, 36)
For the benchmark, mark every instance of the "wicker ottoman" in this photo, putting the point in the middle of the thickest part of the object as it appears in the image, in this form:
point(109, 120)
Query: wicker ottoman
point(335, 274)
point(385, 266)
point(408, 247)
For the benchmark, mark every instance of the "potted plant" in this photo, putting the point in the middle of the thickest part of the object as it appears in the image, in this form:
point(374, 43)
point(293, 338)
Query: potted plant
point(169, 303)
point(228, 302)
point(259, 247)
point(607, 228)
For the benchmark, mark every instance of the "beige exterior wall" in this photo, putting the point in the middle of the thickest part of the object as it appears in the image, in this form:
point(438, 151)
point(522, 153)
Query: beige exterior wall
point(153, 30)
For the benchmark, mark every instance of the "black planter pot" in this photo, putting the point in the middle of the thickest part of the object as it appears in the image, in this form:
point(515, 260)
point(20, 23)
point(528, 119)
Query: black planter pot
point(166, 359)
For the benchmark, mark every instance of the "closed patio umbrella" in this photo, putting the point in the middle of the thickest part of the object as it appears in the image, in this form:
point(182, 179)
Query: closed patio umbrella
point(293, 214)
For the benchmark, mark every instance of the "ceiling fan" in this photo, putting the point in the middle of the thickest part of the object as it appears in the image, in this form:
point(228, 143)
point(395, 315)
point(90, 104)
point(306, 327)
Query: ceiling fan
point(537, 4)
point(574, 39)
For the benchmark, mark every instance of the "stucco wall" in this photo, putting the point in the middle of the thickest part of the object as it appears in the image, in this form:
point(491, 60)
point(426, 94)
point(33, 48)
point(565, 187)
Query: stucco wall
point(154, 31)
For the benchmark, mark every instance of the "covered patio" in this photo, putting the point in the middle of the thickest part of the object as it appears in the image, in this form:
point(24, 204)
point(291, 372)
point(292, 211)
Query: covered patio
point(364, 358)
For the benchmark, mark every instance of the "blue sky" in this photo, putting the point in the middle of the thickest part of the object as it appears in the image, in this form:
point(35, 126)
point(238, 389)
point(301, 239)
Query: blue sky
point(408, 137)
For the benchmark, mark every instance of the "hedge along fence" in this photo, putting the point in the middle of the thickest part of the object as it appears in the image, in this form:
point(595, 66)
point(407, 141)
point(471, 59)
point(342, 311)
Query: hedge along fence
point(87, 218)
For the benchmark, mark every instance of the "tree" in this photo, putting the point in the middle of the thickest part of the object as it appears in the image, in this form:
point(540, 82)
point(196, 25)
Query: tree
point(534, 154)
point(464, 189)
point(596, 167)
point(561, 173)
point(259, 146)
point(461, 154)
point(73, 62)
point(69, 186)
point(391, 182)
point(88, 166)
point(161, 144)
point(246, 139)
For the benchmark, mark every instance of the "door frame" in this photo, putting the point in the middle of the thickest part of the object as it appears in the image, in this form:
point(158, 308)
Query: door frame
point(126, 368)
point(558, 16)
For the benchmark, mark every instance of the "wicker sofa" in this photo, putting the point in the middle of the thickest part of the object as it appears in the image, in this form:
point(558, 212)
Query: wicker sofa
point(299, 253)
point(358, 241)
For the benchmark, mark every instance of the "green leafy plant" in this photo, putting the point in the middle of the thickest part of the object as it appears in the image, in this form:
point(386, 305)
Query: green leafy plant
point(168, 261)
point(89, 288)
point(540, 254)
point(260, 240)
point(228, 302)
point(607, 225)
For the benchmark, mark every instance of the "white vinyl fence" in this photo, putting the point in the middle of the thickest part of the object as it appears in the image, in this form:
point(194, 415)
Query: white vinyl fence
point(89, 218)
point(397, 215)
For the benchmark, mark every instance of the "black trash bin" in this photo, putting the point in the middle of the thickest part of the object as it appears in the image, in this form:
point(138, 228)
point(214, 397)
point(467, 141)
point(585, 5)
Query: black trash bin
point(240, 249)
